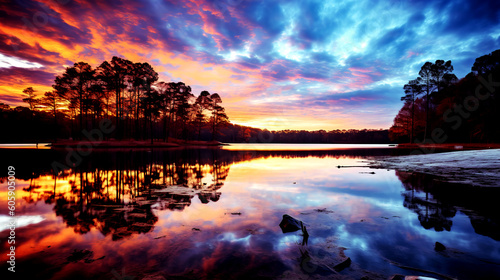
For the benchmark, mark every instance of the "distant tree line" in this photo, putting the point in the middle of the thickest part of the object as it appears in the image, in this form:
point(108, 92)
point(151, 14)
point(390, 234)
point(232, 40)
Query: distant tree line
point(129, 93)
point(242, 134)
point(23, 127)
point(440, 108)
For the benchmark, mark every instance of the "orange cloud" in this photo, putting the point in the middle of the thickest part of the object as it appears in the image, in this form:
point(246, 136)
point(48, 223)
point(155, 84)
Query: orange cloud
point(246, 82)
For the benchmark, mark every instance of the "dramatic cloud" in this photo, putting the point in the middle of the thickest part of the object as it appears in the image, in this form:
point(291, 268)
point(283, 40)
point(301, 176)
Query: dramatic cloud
point(276, 64)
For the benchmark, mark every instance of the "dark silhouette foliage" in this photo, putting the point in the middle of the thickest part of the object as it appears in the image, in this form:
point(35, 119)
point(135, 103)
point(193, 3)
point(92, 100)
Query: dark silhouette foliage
point(142, 108)
point(129, 93)
point(440, 108)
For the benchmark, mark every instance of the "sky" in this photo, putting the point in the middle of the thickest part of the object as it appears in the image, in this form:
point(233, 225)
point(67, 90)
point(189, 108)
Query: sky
point(291, 64)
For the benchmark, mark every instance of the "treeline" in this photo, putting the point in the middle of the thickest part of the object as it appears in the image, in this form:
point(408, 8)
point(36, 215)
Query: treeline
point(440, 108)
point(130, 94)
point(20, 125)
point(241, 134)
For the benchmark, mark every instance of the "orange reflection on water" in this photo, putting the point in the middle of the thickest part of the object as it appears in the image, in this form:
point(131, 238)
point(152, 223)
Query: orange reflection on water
point(41, 146)
point(210, 214)
point(300, 147)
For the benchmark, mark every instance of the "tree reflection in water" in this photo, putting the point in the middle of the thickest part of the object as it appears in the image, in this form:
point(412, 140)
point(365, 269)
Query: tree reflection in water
point(118, 192)
point(436, 202)
point(432, 213)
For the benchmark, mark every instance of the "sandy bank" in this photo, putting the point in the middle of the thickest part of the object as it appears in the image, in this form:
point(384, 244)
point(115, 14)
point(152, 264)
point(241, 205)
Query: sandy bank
point(450, 146)
point(477, 167)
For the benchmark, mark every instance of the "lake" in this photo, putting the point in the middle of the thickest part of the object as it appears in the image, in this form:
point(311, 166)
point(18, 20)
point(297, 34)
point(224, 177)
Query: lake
point(215, 214)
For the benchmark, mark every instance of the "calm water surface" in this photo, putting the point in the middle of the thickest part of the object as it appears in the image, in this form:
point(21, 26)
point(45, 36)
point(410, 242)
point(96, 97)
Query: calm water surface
point(215, 213)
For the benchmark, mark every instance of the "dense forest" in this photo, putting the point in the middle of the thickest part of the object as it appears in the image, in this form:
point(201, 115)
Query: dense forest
point(439, 107)
point(141, 108)
point(130, 94)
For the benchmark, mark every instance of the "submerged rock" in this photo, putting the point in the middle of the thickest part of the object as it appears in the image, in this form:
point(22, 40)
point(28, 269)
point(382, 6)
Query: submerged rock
point(439, 247)
point(79, 255)
point(343, 265)
point(290, 224)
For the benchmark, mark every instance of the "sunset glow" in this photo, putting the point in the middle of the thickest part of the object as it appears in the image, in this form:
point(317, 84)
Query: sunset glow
point(276, 64)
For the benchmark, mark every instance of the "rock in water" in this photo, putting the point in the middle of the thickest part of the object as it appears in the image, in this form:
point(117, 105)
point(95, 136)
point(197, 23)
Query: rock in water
point(290, 224)
point(343, 265)
point(439, 247)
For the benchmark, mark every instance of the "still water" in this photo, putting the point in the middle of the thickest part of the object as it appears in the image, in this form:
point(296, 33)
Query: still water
point(215, 214)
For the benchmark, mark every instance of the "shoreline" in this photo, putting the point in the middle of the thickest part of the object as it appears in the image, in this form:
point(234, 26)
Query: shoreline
point(172, 143)
point(450, 146)
point(176, 143)
point(477, 168)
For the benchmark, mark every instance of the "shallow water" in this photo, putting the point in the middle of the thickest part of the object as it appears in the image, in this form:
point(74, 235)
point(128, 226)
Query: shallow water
point(215, 213)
